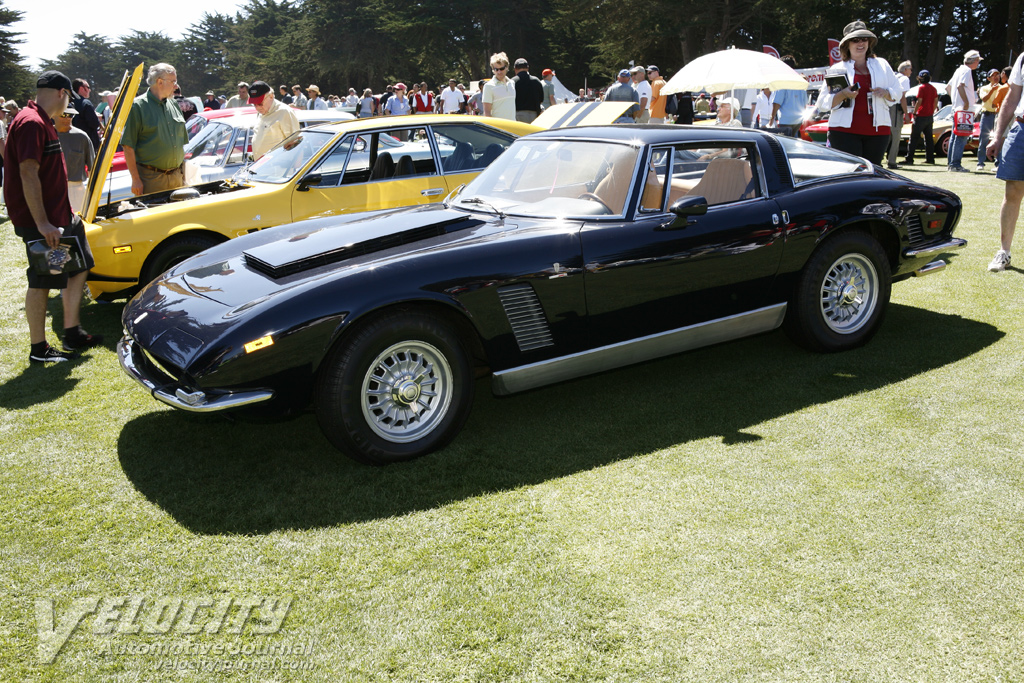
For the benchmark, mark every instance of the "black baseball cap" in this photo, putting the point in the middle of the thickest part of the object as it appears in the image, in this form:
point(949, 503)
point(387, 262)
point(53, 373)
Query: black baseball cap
point(55, 80)
point(257, 91)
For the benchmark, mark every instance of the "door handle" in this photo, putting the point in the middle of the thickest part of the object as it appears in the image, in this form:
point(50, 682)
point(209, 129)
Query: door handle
point(432, 192)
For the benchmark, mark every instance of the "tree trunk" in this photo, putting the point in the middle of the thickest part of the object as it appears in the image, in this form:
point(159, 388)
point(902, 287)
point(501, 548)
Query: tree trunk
point(937, 48)
point(910, 36)
point(1012, 46)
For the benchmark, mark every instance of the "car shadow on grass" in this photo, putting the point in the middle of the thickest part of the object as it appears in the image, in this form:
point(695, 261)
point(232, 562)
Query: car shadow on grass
point(215, 477)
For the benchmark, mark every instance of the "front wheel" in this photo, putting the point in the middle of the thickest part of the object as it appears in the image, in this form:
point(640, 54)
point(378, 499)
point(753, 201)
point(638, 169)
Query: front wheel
point(174, 251)
point(842, 294)
point(400, 387)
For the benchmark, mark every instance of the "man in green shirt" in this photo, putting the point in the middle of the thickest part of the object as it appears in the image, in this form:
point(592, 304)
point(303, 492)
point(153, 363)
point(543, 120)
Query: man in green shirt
point(154, 135)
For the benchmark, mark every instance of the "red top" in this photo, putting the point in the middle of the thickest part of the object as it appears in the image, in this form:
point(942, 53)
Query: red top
point(926, 96)
point(423, 104)
point(863, 120)
point(32, 135)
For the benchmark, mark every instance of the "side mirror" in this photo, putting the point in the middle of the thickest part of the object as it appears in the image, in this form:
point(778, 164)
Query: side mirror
point(360, 145)
point(684, 208)
point(307, 180)
point(689, 206)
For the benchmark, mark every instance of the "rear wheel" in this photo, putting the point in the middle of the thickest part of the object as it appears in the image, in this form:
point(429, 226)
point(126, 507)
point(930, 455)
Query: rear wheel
point(842, 294)
point(942, 146)
point(172, 252)
point(400, 387)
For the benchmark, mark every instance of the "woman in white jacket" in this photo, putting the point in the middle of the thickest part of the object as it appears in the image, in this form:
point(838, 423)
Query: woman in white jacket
point(859, 122)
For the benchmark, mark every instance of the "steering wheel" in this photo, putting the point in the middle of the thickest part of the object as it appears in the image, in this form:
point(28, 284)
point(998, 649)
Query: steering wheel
point(594, 198)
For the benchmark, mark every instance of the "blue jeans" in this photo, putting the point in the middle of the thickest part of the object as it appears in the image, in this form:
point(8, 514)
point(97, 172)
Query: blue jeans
point(988, 122)
point(956, 150)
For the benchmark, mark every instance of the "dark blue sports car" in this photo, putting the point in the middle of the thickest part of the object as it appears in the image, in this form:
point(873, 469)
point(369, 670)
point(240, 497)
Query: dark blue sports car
point(577, 251)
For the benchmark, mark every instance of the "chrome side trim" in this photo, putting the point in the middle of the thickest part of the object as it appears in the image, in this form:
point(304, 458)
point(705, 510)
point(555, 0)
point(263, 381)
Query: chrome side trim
point(194, 402)
point(933, 267)
point(538, 374)
point(950, 245)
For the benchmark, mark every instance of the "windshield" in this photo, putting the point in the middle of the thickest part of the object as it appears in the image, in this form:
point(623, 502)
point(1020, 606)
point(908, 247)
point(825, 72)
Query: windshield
point(208, 147)
point(810, 161)
point(555, 178)
point(280, 164)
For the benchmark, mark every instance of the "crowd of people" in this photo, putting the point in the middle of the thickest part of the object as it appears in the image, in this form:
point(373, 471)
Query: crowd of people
point(49, 145)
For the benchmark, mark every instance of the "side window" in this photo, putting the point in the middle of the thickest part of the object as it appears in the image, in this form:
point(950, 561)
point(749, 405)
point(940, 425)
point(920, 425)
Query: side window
point(242, 146)
point(333, 162)
point(467, 147)
point(722, 175)
point(403, 153)
point(653, 198)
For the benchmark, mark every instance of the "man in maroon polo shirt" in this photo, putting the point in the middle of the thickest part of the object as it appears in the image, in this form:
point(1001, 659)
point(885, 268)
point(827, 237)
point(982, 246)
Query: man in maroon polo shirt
point(36, 192)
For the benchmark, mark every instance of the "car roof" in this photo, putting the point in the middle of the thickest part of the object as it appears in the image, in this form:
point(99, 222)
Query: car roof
point(377, 122)
point(656, 134)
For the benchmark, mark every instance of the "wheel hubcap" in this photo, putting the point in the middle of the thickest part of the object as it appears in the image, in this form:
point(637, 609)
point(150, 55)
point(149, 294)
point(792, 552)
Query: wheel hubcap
point(849, 293)
point(406, 391)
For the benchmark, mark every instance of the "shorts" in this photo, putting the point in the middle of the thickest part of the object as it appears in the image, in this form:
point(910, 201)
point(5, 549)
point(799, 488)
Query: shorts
point(37, 281)
point(1011, 158)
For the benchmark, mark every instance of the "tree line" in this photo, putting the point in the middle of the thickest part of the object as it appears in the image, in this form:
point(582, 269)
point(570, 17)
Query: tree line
point(368, 43)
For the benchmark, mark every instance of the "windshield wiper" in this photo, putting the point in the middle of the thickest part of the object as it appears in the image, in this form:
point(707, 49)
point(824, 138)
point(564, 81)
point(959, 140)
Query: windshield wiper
point(477, 200)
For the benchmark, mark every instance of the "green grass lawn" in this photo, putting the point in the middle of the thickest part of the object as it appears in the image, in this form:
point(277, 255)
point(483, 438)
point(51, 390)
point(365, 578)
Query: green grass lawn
point(749, 511)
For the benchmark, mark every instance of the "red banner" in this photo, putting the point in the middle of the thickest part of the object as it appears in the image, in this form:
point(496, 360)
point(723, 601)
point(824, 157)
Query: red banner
point(769, 50)
point(833, 51)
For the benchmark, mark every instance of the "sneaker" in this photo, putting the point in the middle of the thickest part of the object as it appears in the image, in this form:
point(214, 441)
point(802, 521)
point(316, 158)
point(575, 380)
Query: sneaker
point(50, 355)
point(76, 339)
point(957, 169)
point(981, 167)
point(1000, 262)
point(908, 162)
point(893, 167)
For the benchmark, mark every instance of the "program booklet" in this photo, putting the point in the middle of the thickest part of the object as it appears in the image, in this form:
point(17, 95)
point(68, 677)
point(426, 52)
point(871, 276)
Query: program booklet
point(836, 82)
point(64, 258)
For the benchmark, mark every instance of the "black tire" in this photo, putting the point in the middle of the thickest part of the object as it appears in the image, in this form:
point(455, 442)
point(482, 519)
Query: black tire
point(367, 387)
point(842, 294)
point(174, 251)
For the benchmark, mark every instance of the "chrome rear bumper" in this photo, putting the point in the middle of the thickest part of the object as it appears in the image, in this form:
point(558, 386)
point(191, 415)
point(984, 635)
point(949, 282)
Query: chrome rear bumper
point(165, 389)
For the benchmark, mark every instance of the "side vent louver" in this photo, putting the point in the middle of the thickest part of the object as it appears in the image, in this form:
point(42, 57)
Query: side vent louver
point(526, 316)
point(915, 230)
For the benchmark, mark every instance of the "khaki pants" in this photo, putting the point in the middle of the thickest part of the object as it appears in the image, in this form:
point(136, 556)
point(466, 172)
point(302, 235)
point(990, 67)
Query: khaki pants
point(645, 116)
point(154, 181)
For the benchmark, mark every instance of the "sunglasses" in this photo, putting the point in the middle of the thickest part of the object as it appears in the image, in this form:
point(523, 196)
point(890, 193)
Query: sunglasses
point(67, 116)
point(858, 40)
point(498, 68)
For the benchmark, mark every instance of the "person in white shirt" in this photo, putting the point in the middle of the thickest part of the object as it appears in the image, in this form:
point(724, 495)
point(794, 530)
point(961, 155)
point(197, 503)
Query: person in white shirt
point(638, 75)
point(961, 90)
point(1011, 162)
point(276, 120)
point(352, 99)
point(898, 113)
point(452, 100)
point(763, 109)
point(499, 98)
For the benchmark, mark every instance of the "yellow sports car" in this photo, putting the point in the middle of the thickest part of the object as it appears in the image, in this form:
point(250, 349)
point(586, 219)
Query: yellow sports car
point(335, 168)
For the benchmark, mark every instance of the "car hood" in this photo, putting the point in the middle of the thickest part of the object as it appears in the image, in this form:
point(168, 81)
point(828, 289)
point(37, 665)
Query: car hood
point(581, 114)
point(267, 262)
point(111, 138)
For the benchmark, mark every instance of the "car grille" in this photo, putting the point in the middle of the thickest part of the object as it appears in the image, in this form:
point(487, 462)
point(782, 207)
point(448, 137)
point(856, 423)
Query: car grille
point(526, 316)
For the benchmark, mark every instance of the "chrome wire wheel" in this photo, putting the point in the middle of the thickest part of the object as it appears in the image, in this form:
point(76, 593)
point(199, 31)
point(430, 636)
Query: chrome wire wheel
point(406, 391)
point(849, 293)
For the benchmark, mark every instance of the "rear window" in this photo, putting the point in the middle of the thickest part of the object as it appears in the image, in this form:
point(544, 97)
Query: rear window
point(810, 161)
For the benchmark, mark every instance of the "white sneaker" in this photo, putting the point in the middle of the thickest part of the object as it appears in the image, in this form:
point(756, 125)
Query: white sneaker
point(1000, 262)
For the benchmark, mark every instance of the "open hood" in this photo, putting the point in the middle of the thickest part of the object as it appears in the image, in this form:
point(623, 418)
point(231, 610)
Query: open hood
point(111, 138)
point(581, 114)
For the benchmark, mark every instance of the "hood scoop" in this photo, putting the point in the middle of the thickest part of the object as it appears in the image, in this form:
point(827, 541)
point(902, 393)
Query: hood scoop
point(281, 259)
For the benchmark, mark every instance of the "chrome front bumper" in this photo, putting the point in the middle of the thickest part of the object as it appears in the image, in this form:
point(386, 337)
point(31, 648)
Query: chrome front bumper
point(165, 389)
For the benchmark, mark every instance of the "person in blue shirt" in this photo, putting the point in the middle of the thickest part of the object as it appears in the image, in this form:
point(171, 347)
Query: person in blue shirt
point(788, 106)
